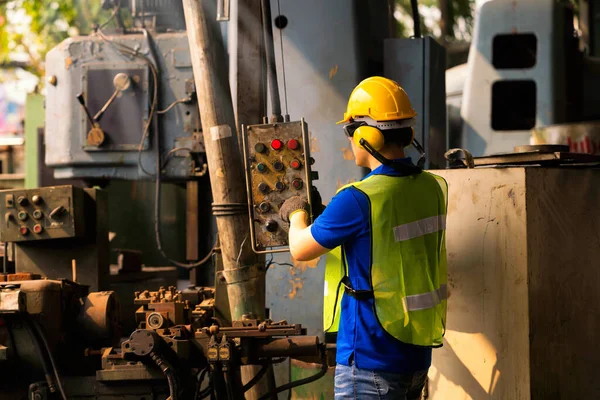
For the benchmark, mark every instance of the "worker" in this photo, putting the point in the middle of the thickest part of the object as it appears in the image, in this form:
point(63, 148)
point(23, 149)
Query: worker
point(386, 263)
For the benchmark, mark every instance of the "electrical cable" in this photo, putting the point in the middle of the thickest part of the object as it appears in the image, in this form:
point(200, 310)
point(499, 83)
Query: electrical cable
point(42, 336)
point(38, 348)
point(261, 372)
point(157, 232)
point(270, 59)
point(272, 262)
point(300, 382)
point(229, 384)
point(200, 380)
point(287, 113)
point(209, 390)
point(172, 386)
point(173, 104)
point(241, 249)
point(416, 19)
point(4, 259)
point(116, 9)
point(170, 154)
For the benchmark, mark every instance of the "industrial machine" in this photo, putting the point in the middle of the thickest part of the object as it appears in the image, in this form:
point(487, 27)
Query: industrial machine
point(105, 94)
point(122, 104)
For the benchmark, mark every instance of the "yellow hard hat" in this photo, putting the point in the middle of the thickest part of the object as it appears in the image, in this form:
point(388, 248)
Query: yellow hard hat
point(380, 98)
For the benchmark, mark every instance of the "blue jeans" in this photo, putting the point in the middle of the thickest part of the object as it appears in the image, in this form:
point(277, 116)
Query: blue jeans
point(363, 384)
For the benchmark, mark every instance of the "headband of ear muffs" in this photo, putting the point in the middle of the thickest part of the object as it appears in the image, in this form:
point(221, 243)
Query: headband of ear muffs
point(373, 136)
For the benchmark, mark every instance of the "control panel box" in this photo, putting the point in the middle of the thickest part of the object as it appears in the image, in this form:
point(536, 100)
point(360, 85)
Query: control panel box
point(52, 212)
point(277, 159)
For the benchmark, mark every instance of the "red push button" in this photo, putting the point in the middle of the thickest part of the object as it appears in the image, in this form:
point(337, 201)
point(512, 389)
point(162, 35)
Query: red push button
point(295, 164)
point(293, 144)
point(37, 228)
point(276, 144)
point(24, 230)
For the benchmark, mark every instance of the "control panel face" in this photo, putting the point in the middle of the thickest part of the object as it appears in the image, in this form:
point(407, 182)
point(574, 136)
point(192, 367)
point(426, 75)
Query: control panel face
point(41, 213)
point(277, 158)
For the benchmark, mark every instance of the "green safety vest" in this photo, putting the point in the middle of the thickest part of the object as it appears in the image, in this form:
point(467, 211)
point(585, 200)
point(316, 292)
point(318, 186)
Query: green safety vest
point(408, 258)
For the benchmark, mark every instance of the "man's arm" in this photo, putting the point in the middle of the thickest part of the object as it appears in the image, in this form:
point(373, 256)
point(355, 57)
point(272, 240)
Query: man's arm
point(303, 245)
point(342, 220)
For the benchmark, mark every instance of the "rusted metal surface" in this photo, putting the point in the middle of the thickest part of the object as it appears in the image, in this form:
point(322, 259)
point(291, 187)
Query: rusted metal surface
point(289, 347)
point(99, 317)
point(192, 227)
point(537, 158)
point(22, 276)
point(12, 300)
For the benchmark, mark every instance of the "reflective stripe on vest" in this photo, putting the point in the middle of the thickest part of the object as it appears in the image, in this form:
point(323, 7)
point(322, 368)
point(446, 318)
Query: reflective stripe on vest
point(424, 301)
point(408, 258)
point(420, 228)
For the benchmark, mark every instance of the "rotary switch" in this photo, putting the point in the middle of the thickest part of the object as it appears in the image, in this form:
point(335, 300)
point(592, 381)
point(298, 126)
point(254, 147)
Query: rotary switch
point(263, 187)
point(271, 225)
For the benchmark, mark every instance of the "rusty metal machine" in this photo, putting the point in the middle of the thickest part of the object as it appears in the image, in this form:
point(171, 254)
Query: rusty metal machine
point(122, 105)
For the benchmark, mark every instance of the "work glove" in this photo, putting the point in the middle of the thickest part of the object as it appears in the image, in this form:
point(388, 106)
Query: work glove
point(291, 205)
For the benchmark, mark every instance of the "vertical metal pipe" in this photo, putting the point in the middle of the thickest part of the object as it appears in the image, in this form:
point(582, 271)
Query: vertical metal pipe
point(192, 228)
point(271, 66)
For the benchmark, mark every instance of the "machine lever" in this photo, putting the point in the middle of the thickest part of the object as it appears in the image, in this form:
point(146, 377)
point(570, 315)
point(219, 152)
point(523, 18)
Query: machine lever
point(57, 211)
point(100, 113)
point(87, 112)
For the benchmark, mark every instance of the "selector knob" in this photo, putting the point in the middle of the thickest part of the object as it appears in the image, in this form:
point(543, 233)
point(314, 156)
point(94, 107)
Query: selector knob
point(278, 165)
point(22, 201)
point(264, 207)
point(263, 187)
point(271, 225)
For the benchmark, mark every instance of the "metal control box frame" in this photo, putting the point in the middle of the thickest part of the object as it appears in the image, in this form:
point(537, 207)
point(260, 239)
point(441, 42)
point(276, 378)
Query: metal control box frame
point(278, 166)
point(54, 212)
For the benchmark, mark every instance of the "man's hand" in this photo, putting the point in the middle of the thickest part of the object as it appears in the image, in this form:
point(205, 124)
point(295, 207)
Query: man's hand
point(291, 205)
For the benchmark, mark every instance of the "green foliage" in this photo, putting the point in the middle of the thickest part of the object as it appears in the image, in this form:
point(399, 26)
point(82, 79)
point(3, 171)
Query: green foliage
point(456, 9)
point(50, 22)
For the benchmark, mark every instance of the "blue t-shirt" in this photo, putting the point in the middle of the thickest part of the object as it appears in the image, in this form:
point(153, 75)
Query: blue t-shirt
point(360, 336)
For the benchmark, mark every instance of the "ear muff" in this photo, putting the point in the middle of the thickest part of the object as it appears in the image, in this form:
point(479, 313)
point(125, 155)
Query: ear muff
point(412, 137)
point(371, 134)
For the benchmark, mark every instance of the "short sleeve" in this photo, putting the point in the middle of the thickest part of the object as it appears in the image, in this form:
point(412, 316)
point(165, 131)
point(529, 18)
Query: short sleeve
point(343, 219)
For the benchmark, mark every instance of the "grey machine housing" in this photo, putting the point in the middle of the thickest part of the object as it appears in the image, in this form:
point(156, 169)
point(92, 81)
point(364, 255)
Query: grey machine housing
point(88, 65)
